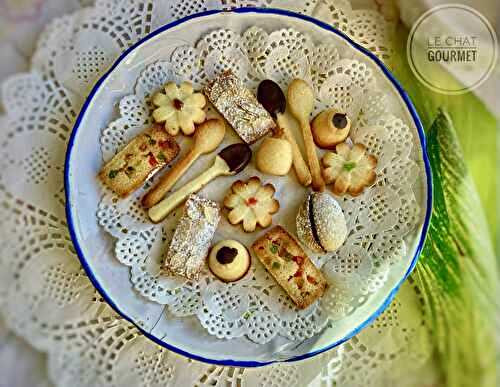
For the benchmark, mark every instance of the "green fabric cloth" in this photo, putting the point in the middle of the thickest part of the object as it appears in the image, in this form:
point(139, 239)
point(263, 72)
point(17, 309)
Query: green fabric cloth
point(476, 127)
point(457, 272)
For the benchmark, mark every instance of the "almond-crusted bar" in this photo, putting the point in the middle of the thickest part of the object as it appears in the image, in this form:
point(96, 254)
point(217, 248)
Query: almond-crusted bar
point(282, 256)
point(192, 237)
point(239, 106)
point(140, 159)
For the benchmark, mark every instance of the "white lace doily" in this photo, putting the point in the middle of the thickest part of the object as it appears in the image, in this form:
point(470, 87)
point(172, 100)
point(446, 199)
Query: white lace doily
point(45, 296)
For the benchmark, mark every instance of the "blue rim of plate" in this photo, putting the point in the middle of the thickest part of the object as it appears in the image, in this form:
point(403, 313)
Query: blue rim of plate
point(273, 11)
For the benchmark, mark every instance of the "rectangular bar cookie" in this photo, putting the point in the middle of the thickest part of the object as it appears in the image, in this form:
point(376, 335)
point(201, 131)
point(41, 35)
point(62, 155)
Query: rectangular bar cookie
point(140, 159)
point(192, 237)
point(283, 257)
point(239, 106)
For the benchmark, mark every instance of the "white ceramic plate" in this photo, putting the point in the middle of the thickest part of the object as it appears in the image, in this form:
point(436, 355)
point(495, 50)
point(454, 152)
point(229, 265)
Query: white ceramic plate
point(94, 246)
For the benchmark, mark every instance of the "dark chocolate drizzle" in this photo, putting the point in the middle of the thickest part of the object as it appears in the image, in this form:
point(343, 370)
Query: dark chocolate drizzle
point(226, 255)
point(339, 120)
point(270, 95)
point(237, 156)
point(314, 229)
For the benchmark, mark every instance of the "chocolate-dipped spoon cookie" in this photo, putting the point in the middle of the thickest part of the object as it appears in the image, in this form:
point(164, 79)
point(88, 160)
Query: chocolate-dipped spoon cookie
point(230, 161)
point(270, 95)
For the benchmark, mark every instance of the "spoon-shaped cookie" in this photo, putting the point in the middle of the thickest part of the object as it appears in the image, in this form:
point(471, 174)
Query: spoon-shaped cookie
point(300, 101)
point(270, 95)
point(230, 161)
point(207, 138)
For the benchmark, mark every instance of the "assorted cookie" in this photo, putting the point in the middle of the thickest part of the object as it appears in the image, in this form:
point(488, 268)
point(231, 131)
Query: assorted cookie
point(229, 260)
point(321, 224)
point(270, 95)
point(139, 160)
point(285, 260)
point(192, 237)
point(350, 170)
point(251, 203)
point(179, 108)
point(330, 127)
point(230, 161)
point(207, 138)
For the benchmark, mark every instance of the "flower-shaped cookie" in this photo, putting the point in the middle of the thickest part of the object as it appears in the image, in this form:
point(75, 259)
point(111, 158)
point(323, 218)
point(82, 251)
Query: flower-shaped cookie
point(179, 108)
point(252, 203)
point(349, 169)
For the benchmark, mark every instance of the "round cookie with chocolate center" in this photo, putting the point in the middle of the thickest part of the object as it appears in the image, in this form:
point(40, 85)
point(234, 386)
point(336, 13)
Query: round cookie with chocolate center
point(321, 224)
point(229, 260)
point(330, 127)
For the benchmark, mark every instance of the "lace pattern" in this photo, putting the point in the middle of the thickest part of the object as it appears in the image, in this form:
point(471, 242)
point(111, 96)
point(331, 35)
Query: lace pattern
point(44, 295)
point(378, 220)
